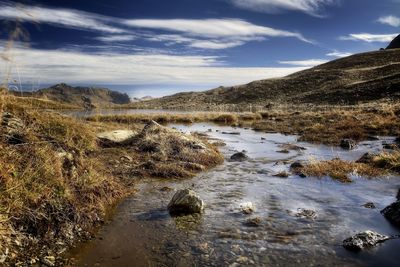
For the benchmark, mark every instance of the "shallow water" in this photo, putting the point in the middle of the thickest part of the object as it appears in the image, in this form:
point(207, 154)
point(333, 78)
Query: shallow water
point(143, 234)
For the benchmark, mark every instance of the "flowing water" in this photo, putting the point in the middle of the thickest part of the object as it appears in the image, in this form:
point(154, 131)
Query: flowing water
point(142, 233)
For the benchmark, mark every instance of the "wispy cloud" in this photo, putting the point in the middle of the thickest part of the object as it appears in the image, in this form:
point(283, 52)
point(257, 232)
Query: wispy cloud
point(213, 28)
point(53, 66)
point(304, 63)
point(56, 16)
point(311, 7)
point(390, 20)
point(369, 38)
point(200, 33)
point(117, 38)
point(339, 54)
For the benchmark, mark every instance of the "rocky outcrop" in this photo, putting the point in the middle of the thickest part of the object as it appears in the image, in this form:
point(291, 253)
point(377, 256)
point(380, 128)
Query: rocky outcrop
point(185, 201)
point(395, 43)
point(13, 128)
point(364, 240)
point(117, 137)
point(392, 213)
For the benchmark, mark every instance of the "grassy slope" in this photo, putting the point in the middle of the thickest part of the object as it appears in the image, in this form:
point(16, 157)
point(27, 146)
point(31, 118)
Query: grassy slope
point(362, 77)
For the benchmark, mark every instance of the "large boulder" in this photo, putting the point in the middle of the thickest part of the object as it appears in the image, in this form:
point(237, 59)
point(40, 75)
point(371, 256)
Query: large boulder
point(117, 137)
point(392, 213)
point(364, 240)
point(185, 201)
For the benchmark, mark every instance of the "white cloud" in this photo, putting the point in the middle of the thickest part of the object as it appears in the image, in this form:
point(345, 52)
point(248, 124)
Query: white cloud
point(304, 63)
point(339, 54)
point(213, 28)
point(369, 38)
point(116, 38)
point(56, 16)
point(54, 66)
point(311, 7)
point(390, 20)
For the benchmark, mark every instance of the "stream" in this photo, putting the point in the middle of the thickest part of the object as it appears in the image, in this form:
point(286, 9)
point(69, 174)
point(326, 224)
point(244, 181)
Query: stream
point(142, 233)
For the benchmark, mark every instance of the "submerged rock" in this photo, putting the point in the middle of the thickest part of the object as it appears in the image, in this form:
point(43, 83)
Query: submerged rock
point(348, 144)
point(185, 201)
point(117, 137)
point(304, 213)
point(369, 205)
point(253, 222)
point(392, 213)
point(247, 207)
point(240, 156)
point(363, 240)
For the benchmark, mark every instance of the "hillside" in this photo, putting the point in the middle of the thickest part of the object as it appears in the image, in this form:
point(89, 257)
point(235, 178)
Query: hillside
point(88, 97)
point(350, 80)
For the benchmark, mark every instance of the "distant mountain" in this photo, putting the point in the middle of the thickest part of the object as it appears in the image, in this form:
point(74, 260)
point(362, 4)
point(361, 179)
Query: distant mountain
point(357, 78)
point(88, 97)
point(144, 98)
point(395, 43)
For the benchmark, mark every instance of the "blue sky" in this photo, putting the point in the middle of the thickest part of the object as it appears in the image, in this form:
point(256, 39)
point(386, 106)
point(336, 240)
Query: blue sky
point(158, 47)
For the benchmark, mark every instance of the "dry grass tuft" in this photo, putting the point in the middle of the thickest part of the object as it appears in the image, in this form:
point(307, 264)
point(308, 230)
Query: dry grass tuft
point(341, 170)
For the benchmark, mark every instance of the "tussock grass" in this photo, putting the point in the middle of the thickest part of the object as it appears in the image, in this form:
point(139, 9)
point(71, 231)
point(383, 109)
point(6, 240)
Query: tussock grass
point(388, 160)
point(341, 170)
point(49, 185)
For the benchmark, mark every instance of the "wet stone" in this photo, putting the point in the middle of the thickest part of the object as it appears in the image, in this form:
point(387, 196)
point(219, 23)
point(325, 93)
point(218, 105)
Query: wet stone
point(305, 213)
point(253, 222)
point(364, 240)
point(240, 156)
point(348, 144)
point(185, 201)
point(392, 213)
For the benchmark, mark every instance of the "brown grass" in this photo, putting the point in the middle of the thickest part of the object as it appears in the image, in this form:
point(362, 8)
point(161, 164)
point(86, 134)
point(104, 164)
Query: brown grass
point(340, 170)
point(224, 118)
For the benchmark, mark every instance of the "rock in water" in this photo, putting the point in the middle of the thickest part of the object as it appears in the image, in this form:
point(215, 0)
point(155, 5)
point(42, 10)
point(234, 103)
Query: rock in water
point(348, 144)
point(185, 201)
point(240, 156)
point(392, 213)
point(363, 240)
point(117, 137)
point(247, 207)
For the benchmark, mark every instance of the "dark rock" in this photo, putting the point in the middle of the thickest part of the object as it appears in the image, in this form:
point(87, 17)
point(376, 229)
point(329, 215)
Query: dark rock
point(185, 201)
point(240, 156)
point(369, 205)
point(363, 240)
point(253, 222)
point(372, 138)
point(390, 146)
point(392, 213)
point(348, 144)
point(296, 165)
point(366, 158)
point(395, 43)
point(398, 195)
point(232, 133)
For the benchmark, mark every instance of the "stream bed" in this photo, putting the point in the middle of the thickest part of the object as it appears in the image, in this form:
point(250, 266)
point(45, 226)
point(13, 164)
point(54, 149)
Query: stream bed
point(142, 233)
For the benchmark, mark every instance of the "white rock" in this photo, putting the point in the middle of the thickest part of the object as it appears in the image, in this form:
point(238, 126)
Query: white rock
point(117, 136)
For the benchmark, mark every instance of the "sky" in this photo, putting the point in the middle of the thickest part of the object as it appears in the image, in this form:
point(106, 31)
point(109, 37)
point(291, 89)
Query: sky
point(159, 47)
